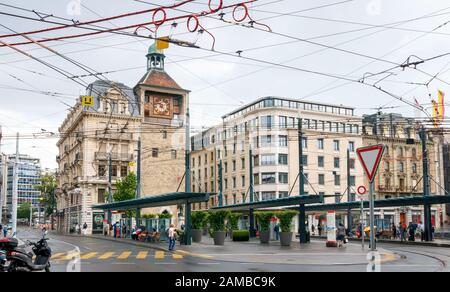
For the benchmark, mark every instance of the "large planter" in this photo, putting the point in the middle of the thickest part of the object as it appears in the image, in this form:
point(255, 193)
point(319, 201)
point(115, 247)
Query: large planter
point(286, 238)
point(264, 236)
point(219, 237)
point(197, 235)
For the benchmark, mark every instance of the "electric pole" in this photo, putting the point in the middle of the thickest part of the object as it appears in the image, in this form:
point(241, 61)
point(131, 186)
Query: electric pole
point(15, 189)
point(426, 186)
point(220, 184)
point(110, 196)
point(349, 193)
point(301, 215)
point(252, 194)
point(138, 185)
point(187, 217)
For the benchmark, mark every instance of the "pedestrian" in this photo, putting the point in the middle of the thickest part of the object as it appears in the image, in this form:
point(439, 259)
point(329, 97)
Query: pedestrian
point(115, 230)
point(412, 232)
point(394, 231)
point(313, 229)
point(1, 227)
point(85, 226)
point(433, 229)
point(77, 228)
point(421, 229)
point(341, 233)
point(276, 230)
point(320, 229)
point(172, 237)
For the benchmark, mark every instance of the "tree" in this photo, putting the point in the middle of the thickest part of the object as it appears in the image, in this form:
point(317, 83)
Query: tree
point(126, 190)
point(48, 188)
point(23, 211)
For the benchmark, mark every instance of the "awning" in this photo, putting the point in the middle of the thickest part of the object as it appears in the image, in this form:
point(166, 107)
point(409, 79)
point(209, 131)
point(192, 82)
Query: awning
point(169, 199)
point(283, 202)
point(396, 202)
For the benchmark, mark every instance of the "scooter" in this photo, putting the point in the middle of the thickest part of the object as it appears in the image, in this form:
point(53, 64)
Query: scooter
point(19, 260)
point(3, 260)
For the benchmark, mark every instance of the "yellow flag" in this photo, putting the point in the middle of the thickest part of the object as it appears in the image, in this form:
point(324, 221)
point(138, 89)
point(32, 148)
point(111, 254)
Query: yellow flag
point(441, 104)
point(162, 43)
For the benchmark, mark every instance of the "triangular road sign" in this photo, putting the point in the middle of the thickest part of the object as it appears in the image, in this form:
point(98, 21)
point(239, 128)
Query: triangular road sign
point(370, 158)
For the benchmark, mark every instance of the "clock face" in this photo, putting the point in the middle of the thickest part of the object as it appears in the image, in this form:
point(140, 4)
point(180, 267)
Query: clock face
point(161, 106)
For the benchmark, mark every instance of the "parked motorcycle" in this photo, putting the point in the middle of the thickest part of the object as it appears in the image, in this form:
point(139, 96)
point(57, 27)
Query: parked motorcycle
point(19, 260)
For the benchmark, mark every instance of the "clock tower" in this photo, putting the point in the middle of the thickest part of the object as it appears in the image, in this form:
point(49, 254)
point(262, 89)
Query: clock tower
point(163, 134)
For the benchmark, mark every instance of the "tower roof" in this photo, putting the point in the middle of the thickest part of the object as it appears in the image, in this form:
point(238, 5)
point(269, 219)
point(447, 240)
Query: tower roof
point(159, 79)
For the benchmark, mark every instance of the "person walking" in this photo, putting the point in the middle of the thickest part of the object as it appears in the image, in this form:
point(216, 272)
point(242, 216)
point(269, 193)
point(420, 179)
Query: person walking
point(320, 229)
point(341, 234)
point(276, 229)
point(394, 231)
point(172, 237)
point(85, 227)
point(313, 229)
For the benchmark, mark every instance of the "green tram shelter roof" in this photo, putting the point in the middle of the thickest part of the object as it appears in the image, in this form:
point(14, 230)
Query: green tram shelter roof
point(283, 202)
point(168, 199)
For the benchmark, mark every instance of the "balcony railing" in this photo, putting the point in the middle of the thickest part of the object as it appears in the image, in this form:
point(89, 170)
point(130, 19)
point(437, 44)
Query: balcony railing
point(165, 122)
point(114, 156)
point(113, 135)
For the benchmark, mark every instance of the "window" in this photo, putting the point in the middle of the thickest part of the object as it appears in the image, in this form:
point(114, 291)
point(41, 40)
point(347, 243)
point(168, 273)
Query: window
point(284, 194)
point(337, 180)
point(352, 181)
point(283, 141)
point(321, 179)
point(414, 168)
point(401, 167)
point(234, 165)
point(321, 161)
point(155, 152)
point(256, 179)
point(267, 122)
point(101, 196)
point(243, 180)
point(336, 145)
point(234, 183)
point(337, 162)
point(268, 159)
point(386, 166)
point(320, 144)
point(266, 196)
point(242, 163)
point(283, 122)
point(123, 171)
point(283, 178)
point(268, 178)
point(101, 170)
point(305, 142)
point(351, 146)
point(352, 163)
point(174, 154)
point(114, 170)
point(305, 160)
point(337, 197)
point(283, 159)
point(164, 135)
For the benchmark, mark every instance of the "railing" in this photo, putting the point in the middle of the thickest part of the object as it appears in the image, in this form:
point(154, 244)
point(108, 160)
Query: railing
point(113, 135)
point(114, 156)
point(165, 122)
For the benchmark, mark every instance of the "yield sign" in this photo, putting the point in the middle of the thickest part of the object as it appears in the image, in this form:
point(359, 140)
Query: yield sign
point(370, 158)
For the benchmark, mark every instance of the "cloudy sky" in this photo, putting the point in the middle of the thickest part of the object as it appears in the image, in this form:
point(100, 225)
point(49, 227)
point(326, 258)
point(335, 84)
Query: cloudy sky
point(345, 40)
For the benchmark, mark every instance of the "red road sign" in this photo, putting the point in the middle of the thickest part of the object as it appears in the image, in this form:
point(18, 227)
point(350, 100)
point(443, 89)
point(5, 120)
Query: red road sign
point(362, 190)
point(370, 158)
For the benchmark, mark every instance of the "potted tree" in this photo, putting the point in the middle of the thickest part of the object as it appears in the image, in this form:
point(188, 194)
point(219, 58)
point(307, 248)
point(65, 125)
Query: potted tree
point(236, 234)
point(198, 221)
point(264, 225)
point(217, 223)
point(285, 218)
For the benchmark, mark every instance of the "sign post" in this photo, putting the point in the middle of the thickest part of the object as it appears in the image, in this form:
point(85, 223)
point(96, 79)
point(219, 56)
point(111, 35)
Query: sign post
point(370, 158)
point(361, 192)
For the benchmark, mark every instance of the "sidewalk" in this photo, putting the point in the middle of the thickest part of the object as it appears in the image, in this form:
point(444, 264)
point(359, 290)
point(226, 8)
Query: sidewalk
point(436, 243)
point(315, 253)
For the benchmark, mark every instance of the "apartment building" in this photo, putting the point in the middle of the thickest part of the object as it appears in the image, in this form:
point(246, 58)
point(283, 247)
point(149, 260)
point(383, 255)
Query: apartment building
point(268, 128)
point(89, 136)
point(401, 170)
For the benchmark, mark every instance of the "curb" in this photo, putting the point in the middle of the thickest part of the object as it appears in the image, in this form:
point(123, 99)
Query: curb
point(412, 243)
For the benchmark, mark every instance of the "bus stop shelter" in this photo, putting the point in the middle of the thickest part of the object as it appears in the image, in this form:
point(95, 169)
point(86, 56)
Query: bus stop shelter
point(161, 200)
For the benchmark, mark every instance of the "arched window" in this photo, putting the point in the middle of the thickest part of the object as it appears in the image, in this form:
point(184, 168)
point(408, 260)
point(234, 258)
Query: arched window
point(414, 168)
point(414, 152)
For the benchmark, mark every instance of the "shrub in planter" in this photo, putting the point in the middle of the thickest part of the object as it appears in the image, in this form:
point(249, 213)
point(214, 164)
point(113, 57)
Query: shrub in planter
point(264, 225)
point(217, 223)
point(241, 235)
point(285, 218)
point(165, 215)
point(198, 221)
point(233, 222)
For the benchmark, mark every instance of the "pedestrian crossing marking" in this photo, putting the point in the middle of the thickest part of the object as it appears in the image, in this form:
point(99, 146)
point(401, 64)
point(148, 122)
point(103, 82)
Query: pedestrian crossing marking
point(70, 256)
point(125, 255)
point(142, 255)
point(159, 255)
point(106, 256)
point(177, 256)
point(57, 255)
point(89, 256)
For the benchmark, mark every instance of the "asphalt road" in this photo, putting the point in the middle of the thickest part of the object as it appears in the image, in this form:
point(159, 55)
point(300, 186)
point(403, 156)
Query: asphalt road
point(94, 255)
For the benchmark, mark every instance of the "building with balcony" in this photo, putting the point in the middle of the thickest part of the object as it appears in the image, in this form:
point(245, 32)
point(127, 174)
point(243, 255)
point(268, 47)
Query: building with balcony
point(400, 172)
point(89, 136)
point(268, 128)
